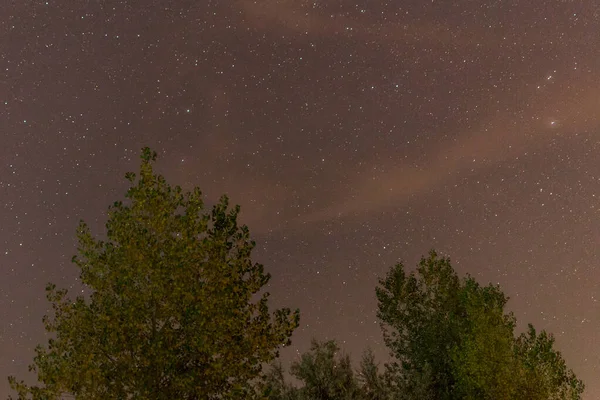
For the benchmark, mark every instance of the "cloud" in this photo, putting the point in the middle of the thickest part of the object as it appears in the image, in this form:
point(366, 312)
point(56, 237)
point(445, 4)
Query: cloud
point(307, 18)
point(521, 123)
point(501, 138)
point(293, 16)
point(289, 15)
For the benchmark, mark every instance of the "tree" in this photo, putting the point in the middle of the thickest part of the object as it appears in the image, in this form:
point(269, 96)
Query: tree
point(419, 316)
point(450, 338)
point(326, 374)
point(175, 310)
point(371, 382)
point(275, 387)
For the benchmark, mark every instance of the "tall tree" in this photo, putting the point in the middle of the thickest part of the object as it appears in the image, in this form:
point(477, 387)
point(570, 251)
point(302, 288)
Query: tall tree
point(420, 315)
point(450, 338)
point(175, 311)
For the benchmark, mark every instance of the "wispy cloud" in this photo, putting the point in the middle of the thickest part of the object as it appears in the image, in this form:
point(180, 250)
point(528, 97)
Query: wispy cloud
point(494, 142)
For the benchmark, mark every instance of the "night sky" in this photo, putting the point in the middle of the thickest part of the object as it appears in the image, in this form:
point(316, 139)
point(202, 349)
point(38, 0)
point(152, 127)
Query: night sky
point(354, 134)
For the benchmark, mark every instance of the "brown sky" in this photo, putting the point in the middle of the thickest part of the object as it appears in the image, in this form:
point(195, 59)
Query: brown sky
point(352, 134)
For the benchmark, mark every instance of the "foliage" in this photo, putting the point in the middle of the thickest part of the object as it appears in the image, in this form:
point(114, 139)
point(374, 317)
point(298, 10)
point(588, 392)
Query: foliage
point(275, 387)
point(325, 374)
point(175, 310)
point(451, 339)
point(545, 376)
point(371, 382)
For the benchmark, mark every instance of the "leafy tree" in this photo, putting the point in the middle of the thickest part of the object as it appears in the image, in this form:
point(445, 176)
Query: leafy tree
point(275, 387)
point(325, 373)
point(420, 315)
point(372, 384)
point(175, 310)
point(450, 338)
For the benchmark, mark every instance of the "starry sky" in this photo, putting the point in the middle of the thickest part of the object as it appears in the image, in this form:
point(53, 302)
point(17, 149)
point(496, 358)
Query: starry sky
point(354, 134)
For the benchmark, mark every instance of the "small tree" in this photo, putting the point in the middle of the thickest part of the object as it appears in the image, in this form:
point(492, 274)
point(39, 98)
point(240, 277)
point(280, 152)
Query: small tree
point(175, 310)
point(450, 338)
point(325, 373)
point(275, 387)
point(371, 382)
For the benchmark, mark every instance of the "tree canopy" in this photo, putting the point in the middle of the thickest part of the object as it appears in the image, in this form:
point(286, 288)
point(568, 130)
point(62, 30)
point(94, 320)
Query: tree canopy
point(176, 309)
point(450, 338)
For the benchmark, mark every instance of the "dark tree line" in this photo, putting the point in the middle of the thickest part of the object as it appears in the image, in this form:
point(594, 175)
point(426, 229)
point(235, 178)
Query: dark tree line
point(177, 311)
